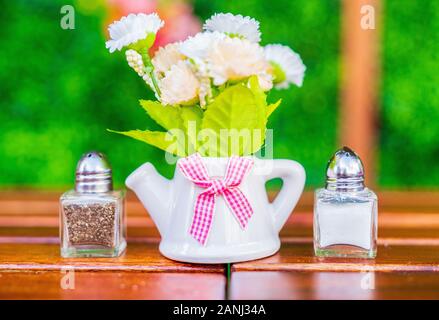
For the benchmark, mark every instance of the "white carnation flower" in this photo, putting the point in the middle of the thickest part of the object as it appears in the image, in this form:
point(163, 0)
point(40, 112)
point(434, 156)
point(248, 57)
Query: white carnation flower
point(198, 46)
point(131, 29)
point(166, 57)
point(289, 63)
point(179, 85)
point(265, 81)
point(234, 26)
point(235, 59)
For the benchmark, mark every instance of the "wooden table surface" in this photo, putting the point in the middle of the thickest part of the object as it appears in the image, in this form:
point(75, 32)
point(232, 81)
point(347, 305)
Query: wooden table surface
point(407, 265)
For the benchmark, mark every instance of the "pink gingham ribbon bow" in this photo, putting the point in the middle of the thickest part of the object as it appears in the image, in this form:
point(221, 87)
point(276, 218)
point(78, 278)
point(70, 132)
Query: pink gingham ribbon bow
point(194, 169)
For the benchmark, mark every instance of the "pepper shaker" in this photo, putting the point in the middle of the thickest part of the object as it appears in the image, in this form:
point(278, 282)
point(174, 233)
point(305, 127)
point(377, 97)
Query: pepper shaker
point(92, 216)
point(345, 211)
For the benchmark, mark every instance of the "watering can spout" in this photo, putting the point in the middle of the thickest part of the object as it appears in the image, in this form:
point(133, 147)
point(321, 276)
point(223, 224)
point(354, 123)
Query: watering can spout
point(154, 192)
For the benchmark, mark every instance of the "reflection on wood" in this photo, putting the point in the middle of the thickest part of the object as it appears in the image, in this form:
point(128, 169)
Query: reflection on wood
point(334, 285)
point(112, 285)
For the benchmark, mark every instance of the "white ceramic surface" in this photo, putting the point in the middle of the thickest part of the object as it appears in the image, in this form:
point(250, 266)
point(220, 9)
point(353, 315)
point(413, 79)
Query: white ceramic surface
point(170, 204)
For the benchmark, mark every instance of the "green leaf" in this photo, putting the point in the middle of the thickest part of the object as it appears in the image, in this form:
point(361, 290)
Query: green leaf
point(256, 89)
point(162, 140)
point(260, 96)
point(242, 112)
point(166, 116)
point(254, 86)
point(234, 123)
point(182, 124)
point(191, 118)
point(272, 107)
point(193, 113)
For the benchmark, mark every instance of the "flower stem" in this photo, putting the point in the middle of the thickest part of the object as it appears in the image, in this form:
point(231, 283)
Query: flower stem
point(149, 68)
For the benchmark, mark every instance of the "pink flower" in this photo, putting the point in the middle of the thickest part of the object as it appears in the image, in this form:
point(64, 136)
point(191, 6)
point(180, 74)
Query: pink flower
point(125, 7)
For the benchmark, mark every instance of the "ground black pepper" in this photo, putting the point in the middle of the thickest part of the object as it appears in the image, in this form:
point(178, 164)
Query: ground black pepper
point(91, 223)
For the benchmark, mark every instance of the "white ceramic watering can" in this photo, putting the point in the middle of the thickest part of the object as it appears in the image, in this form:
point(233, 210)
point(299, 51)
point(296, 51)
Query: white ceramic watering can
point(171, 205)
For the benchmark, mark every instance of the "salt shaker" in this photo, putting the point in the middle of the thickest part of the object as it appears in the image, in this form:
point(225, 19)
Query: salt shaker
point(92, 216)
point(345, 211)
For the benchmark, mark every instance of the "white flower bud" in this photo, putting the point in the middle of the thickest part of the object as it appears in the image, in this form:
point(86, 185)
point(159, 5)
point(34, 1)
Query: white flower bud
point(135, 61)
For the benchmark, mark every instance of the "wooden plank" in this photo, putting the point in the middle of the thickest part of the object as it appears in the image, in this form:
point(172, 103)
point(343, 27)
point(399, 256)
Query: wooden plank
point(413, 219)
point(24, 203)
point(409, 200)
point(111, 285)
point(135, 234)
point(386, 236)
point(46, 203)
point(404, 219)
point(408, 220)
point(138, 257)
point(295, 256)
point(334, 285)
point(360, 83)
point(290, 233)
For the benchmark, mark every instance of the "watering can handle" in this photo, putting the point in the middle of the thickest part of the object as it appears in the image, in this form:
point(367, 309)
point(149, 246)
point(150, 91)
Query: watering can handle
point(293, 178)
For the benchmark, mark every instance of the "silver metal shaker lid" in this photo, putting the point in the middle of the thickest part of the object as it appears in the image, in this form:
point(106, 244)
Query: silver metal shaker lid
point(93, 173)
point(345, 171)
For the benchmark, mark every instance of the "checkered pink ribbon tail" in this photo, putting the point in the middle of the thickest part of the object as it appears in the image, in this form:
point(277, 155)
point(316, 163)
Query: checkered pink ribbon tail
point(194, 169)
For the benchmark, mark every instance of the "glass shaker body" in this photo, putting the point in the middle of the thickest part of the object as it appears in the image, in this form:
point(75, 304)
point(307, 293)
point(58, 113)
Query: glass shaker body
point(92, 224)
point(345, 223)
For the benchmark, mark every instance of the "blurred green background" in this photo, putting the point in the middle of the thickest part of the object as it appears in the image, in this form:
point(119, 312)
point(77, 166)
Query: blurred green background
point(61, 89)
point(409, 146)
